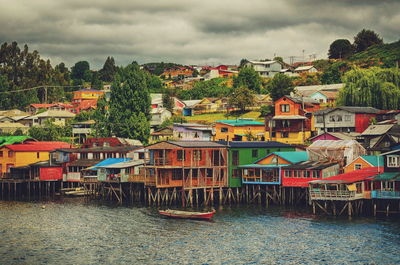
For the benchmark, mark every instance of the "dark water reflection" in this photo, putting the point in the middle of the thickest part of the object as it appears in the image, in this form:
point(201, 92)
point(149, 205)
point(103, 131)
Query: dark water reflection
point(76, 232)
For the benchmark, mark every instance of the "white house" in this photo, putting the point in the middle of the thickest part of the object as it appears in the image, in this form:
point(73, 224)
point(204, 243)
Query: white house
point(265, 69)
point(306, 69)
point(158, 116)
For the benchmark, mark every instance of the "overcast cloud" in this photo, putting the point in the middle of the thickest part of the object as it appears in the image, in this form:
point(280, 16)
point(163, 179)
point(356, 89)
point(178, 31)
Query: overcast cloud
point(190, 32)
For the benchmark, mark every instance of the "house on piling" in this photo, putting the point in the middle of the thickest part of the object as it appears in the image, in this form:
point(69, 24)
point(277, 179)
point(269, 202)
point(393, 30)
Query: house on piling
point(243, 153)
point(17, 155)
point(364, 161)
point(268, 170)
point(187, 165)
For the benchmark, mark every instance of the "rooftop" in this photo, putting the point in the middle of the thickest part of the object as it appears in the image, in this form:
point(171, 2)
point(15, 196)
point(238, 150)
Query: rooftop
point(241, 122)
point(37, 146)
point(367, 110)
point(350, 177)
point(255, 144)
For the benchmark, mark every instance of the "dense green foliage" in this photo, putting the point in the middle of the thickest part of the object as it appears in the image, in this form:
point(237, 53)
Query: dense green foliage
point(280, 86)
point(366, 38)
point(159, 68)
point(100, 116)
point(154, 83)
point(215, 87)
point(23, 69)
point(266, 110)
point(333, 74)
point(241, 97)
point(50, 132)
point(109, 70)
point(339, 49)
point(129, 107)
point(249, 78)
point(388, 54)
point(168, 100)
point(374, 87)
point(81, 71)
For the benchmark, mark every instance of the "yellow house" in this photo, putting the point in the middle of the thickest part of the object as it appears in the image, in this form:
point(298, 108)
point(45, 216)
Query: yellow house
point(239, 130)
point(17, 155)
point(85, 94)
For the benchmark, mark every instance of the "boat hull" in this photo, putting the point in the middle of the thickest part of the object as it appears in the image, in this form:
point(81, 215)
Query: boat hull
point(187, 215)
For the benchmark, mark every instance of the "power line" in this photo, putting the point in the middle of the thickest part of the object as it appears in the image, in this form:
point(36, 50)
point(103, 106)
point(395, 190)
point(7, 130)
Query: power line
point(36, 87)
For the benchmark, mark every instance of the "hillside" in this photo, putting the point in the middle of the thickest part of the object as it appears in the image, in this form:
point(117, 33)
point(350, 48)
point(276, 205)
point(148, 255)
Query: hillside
point(388, 54)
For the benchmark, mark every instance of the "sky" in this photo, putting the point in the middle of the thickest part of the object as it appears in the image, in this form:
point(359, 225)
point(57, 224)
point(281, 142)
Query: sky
point(203, 32)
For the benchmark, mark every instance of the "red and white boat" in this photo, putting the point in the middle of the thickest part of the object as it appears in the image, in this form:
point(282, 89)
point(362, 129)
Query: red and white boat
point(187, 214)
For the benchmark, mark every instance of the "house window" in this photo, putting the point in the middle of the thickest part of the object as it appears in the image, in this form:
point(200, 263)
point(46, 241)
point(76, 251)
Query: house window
point(254, 153)
point(357, 166)
point(10, 153)
point(197, 155)
point(224, 129)
point(274, 160)
point(96, 156)
point(315, 174)
point(285, 124)
point(141, 155)
point(393, 161)
point(9, 166)
point(284, 134)
point(235, 158)
point(1, 153)
point(320, 119)
point(287, 174)
point(285, 108)
point(306, 174)
point(84, 155)
point(37, 155)
point(180, 155)
point(196, 135)
point(347, 117)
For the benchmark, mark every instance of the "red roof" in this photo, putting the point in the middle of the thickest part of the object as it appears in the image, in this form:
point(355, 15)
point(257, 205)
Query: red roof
point(65, 105)
point(86, 104)
point(37, 146)
point(353, 176)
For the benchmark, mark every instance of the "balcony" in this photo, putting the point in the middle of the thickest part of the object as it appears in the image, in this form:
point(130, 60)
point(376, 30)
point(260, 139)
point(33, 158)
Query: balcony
point(385, 194)
point(336, 195)
point(261, 179)
point(159, 161)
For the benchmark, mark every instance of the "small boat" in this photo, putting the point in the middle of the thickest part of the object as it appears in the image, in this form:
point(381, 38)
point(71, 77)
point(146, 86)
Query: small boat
point(187, 214)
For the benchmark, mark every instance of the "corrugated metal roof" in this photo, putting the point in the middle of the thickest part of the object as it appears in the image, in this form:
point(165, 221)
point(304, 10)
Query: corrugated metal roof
point(125, 164)
point(388, 176)
point(311, 165)
point(367, 110)
point(374, 161)
point(197, 144)
point(351, 177)
point(377, 129)
point(107, 162)
point(289, 117)
point(255, 144)
point(37, 146)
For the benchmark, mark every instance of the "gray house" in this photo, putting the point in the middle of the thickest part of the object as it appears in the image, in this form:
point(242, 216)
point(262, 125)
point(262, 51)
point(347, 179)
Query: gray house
point(265, 69)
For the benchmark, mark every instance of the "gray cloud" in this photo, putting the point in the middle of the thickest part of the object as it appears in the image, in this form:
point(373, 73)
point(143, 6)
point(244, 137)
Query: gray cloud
point(202, 32)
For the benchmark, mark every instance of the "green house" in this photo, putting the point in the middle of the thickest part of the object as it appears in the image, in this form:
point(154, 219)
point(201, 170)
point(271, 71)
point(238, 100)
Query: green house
point(243, 153)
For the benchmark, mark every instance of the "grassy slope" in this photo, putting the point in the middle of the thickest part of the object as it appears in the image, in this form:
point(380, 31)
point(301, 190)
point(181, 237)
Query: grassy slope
point(387, 53)
point(210, 118)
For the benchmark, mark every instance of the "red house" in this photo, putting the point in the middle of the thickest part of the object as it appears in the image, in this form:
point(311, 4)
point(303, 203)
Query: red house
point(199, 164)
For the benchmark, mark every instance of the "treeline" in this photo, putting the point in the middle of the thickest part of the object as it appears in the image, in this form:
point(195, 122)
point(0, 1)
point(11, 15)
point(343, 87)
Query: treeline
point(22, 69)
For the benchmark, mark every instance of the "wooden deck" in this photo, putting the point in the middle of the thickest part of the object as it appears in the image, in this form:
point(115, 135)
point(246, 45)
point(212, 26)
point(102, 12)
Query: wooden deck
point(336, 195)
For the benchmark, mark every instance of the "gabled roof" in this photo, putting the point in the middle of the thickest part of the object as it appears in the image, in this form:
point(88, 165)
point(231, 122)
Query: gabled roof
point(366, 110)
point(320, 87)
point(304, 68)
point(241, 122)
point(125, 164)
point(107, 162)
point(185, 144)
point(264, 63)
point(290, 156)
point(53, 113)
point(351, 177)
point(339, 135)
point(255, 144)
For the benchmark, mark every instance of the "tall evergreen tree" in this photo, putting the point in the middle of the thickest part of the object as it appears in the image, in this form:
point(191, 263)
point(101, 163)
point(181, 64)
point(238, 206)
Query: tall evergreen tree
point(108, 71)
point(366, 38)
point(249, 78)
point(280, 86)
point(339, 49)
point(130, 104)
point(81, 70)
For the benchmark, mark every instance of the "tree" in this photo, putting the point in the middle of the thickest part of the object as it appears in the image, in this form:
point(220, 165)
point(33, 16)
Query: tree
point(216, 87)
point(48, 132)
point(373, 87)
point(366, 38)
point(278, 59)
point(109, 70)
point(280, 86)
point(5, 98)
point(168, 100)
point(340, 48)
point(333, 74)
point(249, 78)
point(81, 70)
point(129, 111)
point(265, 110)
point(95, 81)
point(101, 117)
point(241, 98)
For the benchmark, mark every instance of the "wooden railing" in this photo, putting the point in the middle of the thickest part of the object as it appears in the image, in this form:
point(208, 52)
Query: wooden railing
point(335, 195)
point(136, 178)
point(273, 179)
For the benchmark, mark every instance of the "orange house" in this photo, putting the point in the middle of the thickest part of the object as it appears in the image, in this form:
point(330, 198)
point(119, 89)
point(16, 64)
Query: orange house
point(85, 94)
point(364, 162)
point(17, 155)
point(293, 120)
point(239, 130)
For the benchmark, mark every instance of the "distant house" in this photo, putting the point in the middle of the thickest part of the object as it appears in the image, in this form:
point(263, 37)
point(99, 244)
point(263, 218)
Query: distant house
point(292, 122)
point(58, 117)
point(193, 132)
point(306, 69)
point(188, 110)
point(81, 130)
point(12, 127)
point(211, 105)
point(268, 170)
point(158, 116)
point(380, 137)
point(163, 134)
point(265, 68)
point(344, 119)
point(85, 94)
point(239, 130)
point(157, 102)
point(326, 94)
point(34, 108)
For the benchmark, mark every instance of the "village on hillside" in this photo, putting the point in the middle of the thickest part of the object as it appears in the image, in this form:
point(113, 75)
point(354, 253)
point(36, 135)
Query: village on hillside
point(216, 135)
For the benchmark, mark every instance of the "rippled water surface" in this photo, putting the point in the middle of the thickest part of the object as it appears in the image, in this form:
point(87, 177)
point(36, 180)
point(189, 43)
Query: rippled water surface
point(77, 232)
